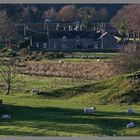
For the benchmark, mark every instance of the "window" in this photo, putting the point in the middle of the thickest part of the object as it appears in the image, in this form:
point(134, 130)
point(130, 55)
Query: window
point(96, 45)
point(64, 38)
point(44, 45)
point(37, 45)
point(55, 45)
point(64, 45)
point(77, 38)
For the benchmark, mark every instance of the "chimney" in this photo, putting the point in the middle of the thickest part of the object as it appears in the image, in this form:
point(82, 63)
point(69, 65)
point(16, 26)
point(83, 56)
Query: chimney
point(81, 27)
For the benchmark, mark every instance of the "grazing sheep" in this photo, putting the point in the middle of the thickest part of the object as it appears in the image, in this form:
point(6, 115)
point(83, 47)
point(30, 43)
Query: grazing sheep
point(6, 116)
point(60, 61)
point(35, 91)
point(98, 59)
point(89, 110)
point(130, 125)
point(130, 111)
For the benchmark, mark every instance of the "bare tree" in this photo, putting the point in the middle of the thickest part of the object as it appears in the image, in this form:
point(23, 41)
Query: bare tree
point(128, 59)
point(8, 74)
point(7, 28)
point(27, 13)
point(67, 13)
point(130, 15)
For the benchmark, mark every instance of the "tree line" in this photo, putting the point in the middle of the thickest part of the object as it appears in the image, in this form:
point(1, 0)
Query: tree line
point(125, 21)
point(34, 13)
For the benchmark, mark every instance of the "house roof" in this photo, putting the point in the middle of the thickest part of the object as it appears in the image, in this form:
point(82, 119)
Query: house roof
point(38, 36)
point(42, 36)
point(73, 34)
point(103, 35)
point(106, 33)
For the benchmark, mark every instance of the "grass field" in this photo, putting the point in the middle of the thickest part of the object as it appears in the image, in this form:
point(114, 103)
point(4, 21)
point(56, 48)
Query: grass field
point(45, 117)
point(96, 54)
point(76, 60)
point(58, 109)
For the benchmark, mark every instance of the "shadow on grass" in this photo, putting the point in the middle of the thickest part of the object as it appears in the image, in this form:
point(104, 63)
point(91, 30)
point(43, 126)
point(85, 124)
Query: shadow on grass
point(66, 120)
point(73, 91)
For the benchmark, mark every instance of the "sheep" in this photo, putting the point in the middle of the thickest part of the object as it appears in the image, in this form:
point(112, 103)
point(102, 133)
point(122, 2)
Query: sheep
point(60, 61)
point(89, 110)
point(6, 116)
point(98, 60)
point(130, 125)
point(34, 91)
point(130, 111)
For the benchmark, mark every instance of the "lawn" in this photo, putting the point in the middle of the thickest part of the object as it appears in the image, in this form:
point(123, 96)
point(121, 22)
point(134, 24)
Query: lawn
point(85, 57)
point(96, 54)
point(48, 115)
point(77, 60)
point(43, 117)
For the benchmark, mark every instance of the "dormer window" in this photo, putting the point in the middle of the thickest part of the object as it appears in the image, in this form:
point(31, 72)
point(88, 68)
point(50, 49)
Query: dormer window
point(37, 45)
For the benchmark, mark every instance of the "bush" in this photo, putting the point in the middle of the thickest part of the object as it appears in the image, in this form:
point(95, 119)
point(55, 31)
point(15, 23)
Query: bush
point(5, 49)
point(53, 55)
point(38, 59)
point(128, 59)
point(23, 52)
point(34, 56)
point(13, 53)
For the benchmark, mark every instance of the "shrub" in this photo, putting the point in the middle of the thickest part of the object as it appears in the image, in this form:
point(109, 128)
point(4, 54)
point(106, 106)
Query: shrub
point(5, 49)
point(53, 55)
point(23, 52)
point(13, 53)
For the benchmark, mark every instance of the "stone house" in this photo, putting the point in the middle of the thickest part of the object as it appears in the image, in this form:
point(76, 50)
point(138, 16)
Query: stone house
point(68, 37)
point(65, 40)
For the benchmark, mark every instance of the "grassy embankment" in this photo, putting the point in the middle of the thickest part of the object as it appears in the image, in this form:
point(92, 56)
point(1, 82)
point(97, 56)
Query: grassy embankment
point(58, 109)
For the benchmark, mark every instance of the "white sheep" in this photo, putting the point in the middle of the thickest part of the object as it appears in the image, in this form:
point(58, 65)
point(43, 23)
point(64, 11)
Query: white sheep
point(89, 110)
point(6, 116)
point(34, 91)
point(98, 60)
point(60, 61)
point(130, 125)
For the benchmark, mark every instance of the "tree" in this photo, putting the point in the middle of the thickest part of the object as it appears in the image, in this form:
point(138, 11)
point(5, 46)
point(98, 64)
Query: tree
point(8, 74)
point(123, 31)
point(67, 13)
point(27, 13)
point(122, 28)
point(128, 59)
point(86, 15)
point(130, 15)
point(86, 12)
point(7, 28)
point(50, 14)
